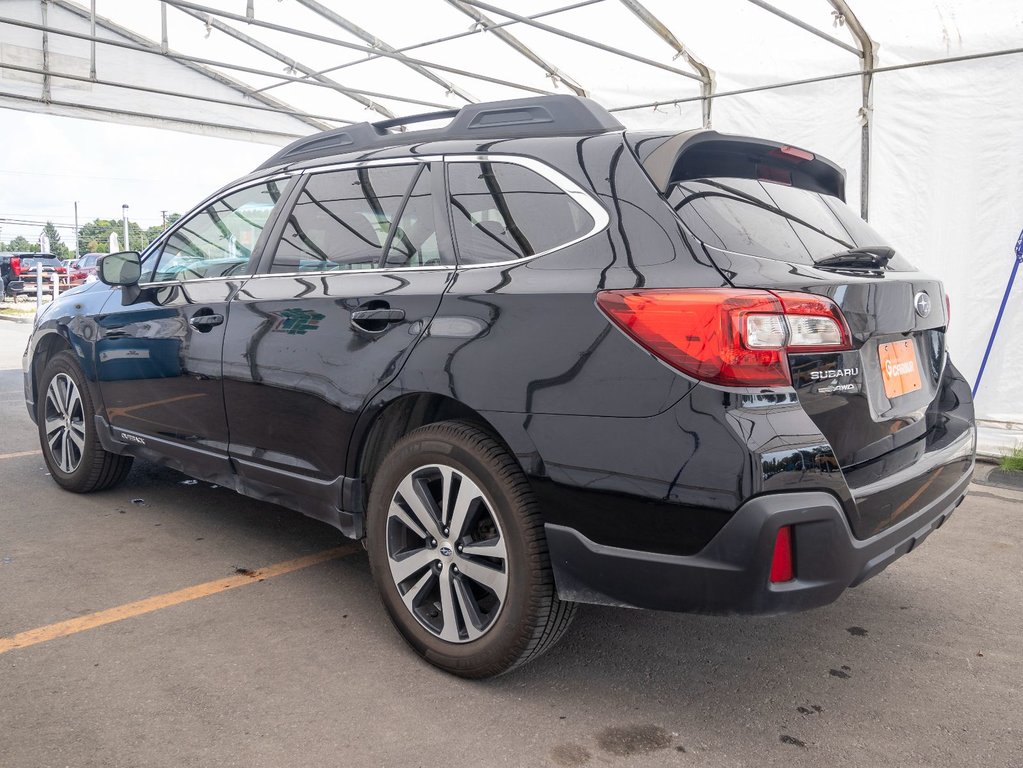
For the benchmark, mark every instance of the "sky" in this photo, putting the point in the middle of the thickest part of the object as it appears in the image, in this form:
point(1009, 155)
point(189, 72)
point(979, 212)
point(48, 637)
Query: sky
point(48, 163)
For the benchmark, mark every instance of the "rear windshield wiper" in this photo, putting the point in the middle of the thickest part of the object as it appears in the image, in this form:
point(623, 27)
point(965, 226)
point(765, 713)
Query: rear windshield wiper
point(868, 257)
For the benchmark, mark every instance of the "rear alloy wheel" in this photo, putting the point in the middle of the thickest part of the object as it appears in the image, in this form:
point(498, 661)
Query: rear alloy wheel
point(459, 554)
point(446, 553)
point(67, 431)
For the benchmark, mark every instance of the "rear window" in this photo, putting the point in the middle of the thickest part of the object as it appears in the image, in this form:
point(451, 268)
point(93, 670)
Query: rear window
point(27, 263)
point(772, 221)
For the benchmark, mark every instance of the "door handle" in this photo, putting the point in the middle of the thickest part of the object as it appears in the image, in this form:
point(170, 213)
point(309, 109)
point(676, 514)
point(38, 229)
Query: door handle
point(204, 322)
point(376, 319)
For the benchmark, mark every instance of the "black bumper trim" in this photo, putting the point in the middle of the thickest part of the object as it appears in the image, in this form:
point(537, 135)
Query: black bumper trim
point(730, 575)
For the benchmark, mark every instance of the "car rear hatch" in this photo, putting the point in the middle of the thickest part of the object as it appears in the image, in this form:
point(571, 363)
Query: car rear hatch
point(896, 413)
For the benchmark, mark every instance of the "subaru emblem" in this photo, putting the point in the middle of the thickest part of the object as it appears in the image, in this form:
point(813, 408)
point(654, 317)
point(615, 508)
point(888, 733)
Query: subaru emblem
point(922, 302)
point(445, 550)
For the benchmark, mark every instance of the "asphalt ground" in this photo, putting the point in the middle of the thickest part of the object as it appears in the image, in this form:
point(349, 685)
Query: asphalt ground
point(155, 625)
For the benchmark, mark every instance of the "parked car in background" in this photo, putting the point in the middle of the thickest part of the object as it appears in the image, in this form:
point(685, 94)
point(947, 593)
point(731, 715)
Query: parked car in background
point(533, 359)
point(83, 269)
point(17, 268)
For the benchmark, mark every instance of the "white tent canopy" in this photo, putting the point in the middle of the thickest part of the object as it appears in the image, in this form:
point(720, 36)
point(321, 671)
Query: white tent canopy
point(946, 150)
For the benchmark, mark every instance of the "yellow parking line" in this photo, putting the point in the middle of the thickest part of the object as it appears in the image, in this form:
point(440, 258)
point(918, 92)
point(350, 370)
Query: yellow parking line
point(150, 604)
point(19, 454)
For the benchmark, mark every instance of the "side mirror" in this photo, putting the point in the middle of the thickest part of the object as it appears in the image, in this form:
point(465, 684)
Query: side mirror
point(123, 268)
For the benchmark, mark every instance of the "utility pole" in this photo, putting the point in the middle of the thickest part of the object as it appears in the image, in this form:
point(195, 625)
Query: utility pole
point(124, 215)
point(164, 215)
point(78, 251)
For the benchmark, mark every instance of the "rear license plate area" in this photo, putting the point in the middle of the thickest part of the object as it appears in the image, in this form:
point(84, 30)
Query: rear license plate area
point(900, 369)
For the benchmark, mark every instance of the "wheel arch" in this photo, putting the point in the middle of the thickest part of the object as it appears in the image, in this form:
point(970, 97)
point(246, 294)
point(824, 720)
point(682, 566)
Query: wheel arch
point(50, 343)
point(387, 420)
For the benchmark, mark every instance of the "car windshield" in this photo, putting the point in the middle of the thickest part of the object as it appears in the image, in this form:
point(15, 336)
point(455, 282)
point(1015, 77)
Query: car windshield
point(773, 221)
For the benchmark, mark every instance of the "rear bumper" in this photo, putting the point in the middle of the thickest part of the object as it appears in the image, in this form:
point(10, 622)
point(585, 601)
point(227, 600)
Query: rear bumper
point(730, 574)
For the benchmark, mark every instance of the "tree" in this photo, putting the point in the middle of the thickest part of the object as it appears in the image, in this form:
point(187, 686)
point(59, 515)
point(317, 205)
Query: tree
point(94, 236)
point(154, 232)
point(21, 244)
point(57, 248)
point(97, 232)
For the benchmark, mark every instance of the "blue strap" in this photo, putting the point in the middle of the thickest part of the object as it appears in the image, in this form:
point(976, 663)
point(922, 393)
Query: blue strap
point(1001, 311)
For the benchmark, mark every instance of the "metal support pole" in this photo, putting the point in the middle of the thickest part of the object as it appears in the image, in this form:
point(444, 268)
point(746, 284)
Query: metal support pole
point(92, 31)
point(579, 39)
point(124, 213)
point(706, 73)
point(56, 285)
point(367, 37)
point(78, 250)
point(868, 61)
point(164, 38)
point(273, 53)
point(437, 40)
point(46, 51)
point(39, 286)
point(210, 11)
point(804, 26)
point(509, 39)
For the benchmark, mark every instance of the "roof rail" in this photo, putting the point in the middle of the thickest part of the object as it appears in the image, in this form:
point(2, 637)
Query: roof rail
point(515, 118)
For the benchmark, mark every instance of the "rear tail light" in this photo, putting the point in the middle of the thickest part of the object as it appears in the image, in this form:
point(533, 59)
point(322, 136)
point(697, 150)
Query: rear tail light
point(16, 266)
point(732, 337)
point(782, 567)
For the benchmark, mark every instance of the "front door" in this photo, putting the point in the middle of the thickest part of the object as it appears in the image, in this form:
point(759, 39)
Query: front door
point(158, 360)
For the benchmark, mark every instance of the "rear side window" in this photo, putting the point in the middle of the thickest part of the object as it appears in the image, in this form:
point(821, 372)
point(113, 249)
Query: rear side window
point(772, 221)
point(343, 220)
point(502, 212)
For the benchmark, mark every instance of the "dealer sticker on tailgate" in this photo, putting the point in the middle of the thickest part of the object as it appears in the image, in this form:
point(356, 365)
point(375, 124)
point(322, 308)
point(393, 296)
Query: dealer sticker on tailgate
point(900, 371)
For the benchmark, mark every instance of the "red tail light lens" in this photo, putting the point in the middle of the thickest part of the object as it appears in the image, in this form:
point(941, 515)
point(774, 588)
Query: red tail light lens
point(16, 266)
point(782, 568)
point(732, 337)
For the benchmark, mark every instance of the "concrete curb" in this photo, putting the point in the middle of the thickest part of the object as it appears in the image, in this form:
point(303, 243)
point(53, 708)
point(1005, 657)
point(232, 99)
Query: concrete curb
point(1005, 478)
point(13, 319)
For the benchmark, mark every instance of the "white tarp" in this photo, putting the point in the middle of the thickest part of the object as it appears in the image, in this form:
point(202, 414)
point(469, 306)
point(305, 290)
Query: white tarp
point(947, 172)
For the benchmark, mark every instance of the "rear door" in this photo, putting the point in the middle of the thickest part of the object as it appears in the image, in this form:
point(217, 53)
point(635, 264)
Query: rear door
point(355, 272)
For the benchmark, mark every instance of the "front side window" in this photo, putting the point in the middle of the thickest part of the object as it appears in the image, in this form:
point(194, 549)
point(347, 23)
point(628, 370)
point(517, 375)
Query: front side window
point(503, 211)
point(342, 220)
point(218, 241)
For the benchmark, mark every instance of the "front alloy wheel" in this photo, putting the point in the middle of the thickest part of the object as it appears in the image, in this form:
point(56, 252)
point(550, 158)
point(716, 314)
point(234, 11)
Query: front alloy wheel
point(64, 423)
point(446, 553)
point(66, 419)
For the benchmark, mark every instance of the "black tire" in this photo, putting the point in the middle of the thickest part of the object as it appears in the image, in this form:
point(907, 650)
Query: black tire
point(89, 468)
point(530, 619)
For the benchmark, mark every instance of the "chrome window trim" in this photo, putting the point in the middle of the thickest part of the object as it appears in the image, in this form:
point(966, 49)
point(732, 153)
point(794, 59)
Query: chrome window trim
point(334, 272)
point(589, 203)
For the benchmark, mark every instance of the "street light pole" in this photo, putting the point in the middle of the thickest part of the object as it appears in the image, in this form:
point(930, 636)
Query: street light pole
point(124, 213)
point(78, 251)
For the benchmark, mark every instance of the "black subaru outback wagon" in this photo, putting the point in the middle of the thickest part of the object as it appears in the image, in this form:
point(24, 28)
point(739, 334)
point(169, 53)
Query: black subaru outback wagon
point(534, 359)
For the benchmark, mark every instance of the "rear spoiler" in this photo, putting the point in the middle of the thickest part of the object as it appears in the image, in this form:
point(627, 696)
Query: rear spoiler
point(701, 154)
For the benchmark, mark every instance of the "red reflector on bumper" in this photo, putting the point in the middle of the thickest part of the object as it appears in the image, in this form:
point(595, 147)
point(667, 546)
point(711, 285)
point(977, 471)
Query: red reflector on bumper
point(782, 568)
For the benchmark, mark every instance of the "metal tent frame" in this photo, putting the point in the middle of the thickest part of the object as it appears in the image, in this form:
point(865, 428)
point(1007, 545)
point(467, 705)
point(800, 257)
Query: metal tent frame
point(424, 73)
